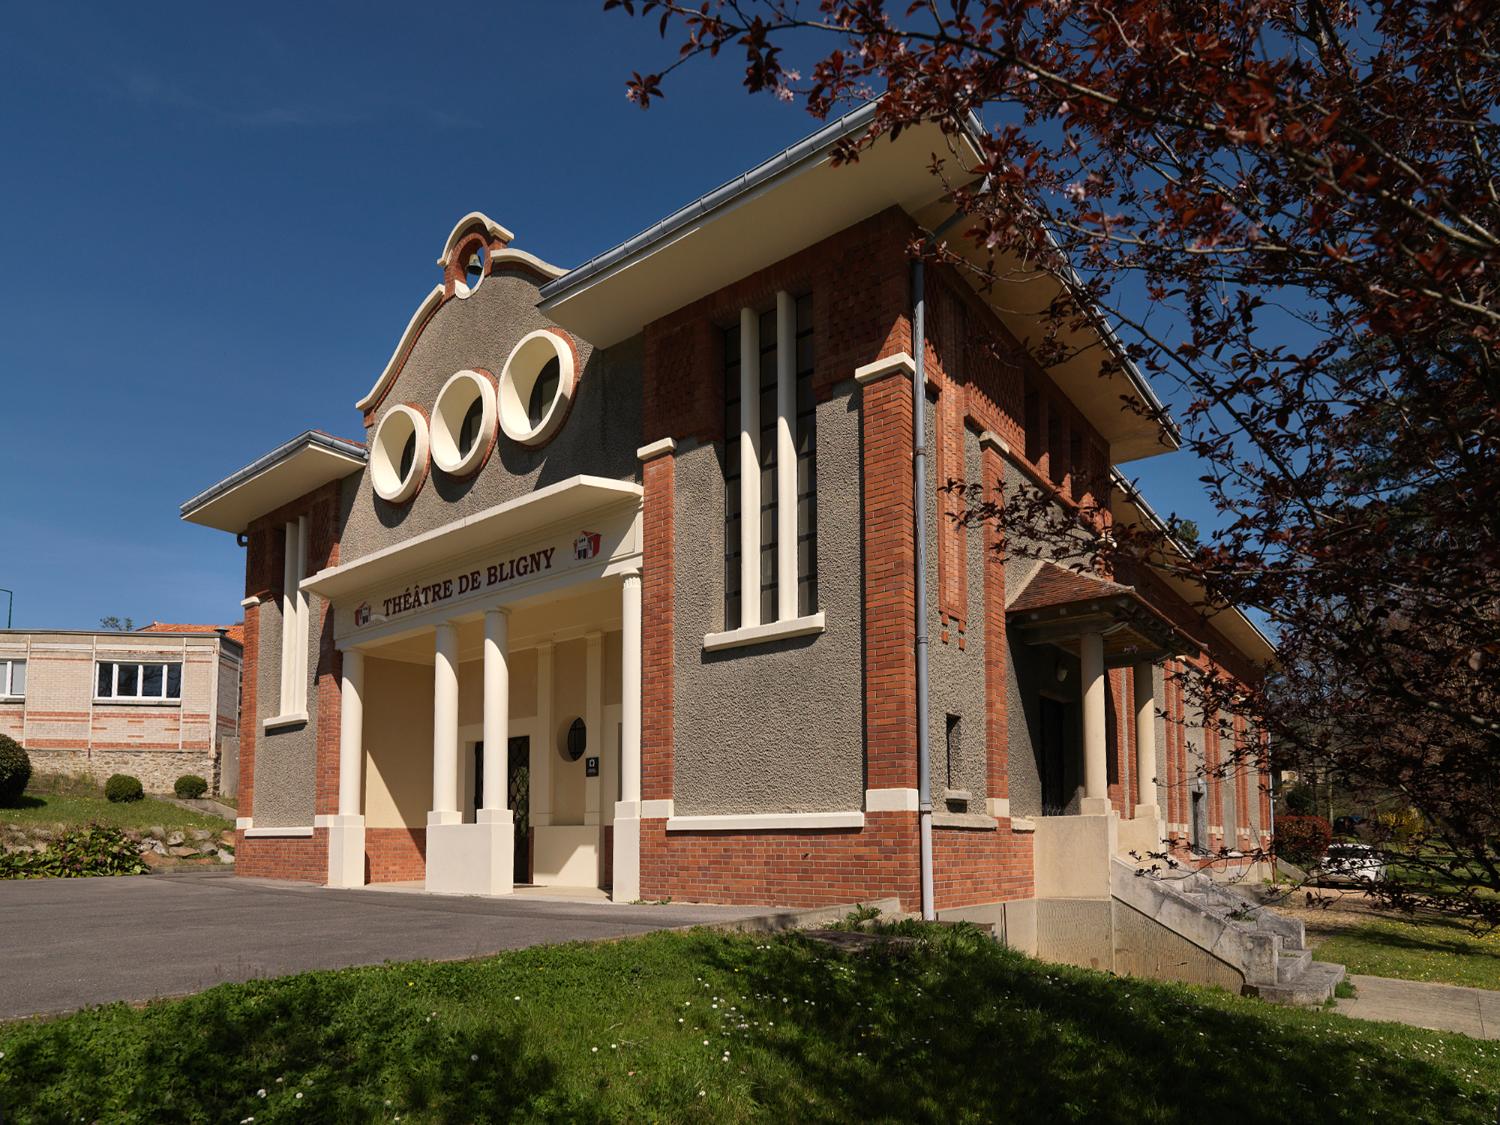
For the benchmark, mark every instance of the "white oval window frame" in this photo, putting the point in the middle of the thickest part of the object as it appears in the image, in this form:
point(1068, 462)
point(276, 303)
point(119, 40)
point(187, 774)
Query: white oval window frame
point(448, 412)
point(525, 363)
point(385, 454)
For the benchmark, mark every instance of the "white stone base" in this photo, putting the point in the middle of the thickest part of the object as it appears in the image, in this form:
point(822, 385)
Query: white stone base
point(1071, 855)
point(346, 851)
point(472, 859)
point(1094, 806)
point(565, 855)
point(627, 857)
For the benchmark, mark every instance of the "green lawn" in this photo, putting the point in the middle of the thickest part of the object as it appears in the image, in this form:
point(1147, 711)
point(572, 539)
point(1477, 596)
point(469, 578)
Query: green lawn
point(704, 1026)
point(1431, 949)
point(49, 808)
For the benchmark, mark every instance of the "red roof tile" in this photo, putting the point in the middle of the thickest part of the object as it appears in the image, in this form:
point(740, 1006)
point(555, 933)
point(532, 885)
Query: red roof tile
point(1053, 585)
point(235, 633)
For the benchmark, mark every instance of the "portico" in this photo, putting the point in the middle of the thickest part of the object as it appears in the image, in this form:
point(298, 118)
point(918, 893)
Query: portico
point(498, 694)
point(1102, 626)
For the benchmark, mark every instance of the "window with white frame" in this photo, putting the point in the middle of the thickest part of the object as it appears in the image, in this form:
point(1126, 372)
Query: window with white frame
point(770, 461)
point(131, 679)
point(294, 621)
point(12, 679)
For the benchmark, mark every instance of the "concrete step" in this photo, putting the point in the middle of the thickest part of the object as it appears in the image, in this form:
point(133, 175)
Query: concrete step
point(1312, 987)
point(1292, 964)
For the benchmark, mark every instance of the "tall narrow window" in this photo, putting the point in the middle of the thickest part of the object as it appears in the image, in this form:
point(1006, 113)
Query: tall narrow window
point(807, 465)
point(1032, 421)
point(294, 622)
point(780, 533)
point(732, 478)
point(768, 466)
point(954, 744)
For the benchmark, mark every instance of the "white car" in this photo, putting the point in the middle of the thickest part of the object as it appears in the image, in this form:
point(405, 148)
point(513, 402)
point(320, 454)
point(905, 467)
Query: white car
point(1356, 862)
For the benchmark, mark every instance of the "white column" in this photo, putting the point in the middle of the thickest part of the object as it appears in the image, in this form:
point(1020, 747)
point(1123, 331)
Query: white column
point(630, 690)
point(496, 709)
point(786, 457)
point(545, 745)
point(351, 732)
point(445, 727)
point(593, 721)
point(749, 468)
point(1145, 740)
point(477, 858)
point(627, 823)
point(1095, 764)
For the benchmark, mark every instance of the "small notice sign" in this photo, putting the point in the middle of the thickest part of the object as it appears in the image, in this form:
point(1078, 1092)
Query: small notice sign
point(591, 767)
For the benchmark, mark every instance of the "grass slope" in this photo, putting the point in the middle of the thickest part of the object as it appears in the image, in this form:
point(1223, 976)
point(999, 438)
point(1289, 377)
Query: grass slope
point(704, 1026)
point(37, 809)
point(1436, 949)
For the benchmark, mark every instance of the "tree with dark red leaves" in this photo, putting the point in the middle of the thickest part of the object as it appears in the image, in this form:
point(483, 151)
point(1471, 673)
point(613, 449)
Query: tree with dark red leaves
point(1290, 210)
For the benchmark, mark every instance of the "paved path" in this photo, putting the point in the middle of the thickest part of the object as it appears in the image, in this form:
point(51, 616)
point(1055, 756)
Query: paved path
point(68, 943)
point(1442, 1007)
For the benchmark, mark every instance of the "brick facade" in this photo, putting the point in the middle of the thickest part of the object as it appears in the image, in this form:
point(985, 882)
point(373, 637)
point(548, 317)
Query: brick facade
point(983, 381)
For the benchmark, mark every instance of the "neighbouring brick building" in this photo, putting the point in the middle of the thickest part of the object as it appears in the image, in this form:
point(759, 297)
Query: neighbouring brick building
point(158, 703)
point(533, 587)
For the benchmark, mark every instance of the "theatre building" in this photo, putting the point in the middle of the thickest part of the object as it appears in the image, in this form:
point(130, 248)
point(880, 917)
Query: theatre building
point(617, 587)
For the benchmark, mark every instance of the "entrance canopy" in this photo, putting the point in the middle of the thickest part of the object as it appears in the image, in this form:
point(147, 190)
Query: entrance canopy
point(1058, 606)
point(578, 529)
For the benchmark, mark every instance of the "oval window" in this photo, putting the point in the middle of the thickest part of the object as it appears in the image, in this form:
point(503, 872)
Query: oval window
point(398, 455)
point(536, 387)
point(543, 393)
point(463, 422)
point(468, 433)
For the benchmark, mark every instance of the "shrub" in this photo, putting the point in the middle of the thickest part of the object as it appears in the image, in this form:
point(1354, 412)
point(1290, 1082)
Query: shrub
point(1302, 840)
point(1401, 826)
point(94, 850)
point(190, 786)
point(1300, 800)
point(15, 770)
point(121, 787)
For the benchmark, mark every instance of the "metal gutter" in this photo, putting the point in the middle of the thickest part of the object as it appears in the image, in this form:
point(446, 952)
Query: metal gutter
point(280, 453)
point(1133, 494)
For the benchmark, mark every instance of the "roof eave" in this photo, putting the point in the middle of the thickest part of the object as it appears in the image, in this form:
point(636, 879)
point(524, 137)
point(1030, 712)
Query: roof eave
point(343, 458)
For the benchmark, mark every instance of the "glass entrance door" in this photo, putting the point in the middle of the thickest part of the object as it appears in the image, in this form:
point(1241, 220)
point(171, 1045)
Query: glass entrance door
point(518, 751)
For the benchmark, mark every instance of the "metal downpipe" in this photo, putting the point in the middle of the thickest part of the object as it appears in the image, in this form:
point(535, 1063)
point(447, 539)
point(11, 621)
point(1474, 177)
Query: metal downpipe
point(919, 501)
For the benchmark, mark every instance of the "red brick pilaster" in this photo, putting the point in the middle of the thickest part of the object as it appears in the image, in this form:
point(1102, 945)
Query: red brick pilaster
point(996, 657)
point(657, 586)
point(890, 592)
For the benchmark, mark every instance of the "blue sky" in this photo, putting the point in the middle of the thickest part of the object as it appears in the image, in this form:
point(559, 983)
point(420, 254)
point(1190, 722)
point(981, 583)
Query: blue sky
point(216, 222)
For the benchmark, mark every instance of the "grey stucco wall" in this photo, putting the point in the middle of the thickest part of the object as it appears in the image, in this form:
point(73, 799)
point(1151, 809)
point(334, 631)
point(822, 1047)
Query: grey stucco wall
point(600, 435)
point(775, 727)
point(286, 759)
point(956, 676)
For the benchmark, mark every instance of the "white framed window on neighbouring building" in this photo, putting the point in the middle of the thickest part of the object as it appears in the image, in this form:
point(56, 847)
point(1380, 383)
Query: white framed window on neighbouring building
point(12, 679)
point(130, 679)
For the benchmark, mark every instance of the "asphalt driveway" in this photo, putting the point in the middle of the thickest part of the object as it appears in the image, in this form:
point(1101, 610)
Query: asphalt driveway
point(68, 943)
